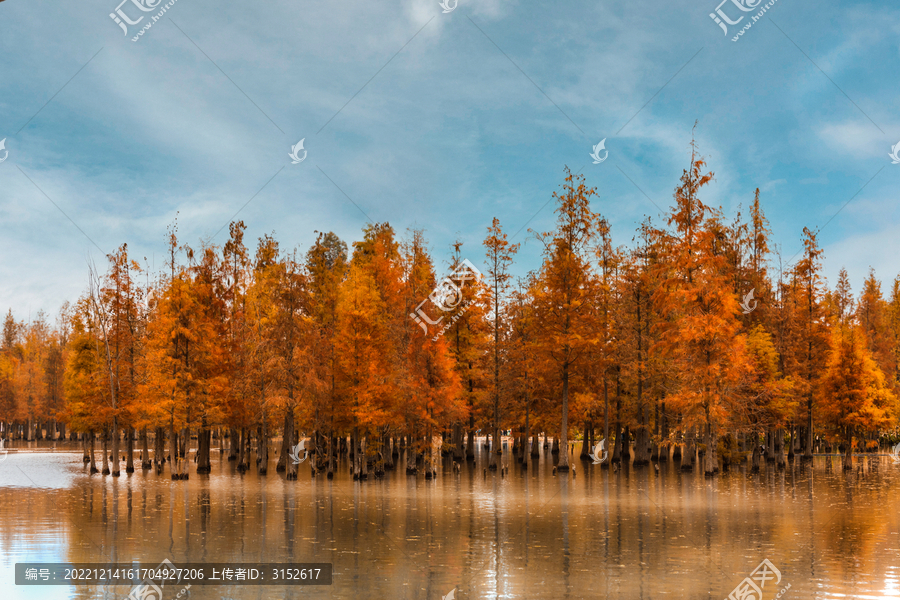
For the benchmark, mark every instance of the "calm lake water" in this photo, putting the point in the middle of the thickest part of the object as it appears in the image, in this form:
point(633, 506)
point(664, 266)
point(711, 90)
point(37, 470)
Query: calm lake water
point(634, 533)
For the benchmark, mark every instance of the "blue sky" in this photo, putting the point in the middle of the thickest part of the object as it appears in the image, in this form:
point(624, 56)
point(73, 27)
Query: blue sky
point(476, 116)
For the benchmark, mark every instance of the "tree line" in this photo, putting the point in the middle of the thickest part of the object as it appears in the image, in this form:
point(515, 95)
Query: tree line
point(693, 341)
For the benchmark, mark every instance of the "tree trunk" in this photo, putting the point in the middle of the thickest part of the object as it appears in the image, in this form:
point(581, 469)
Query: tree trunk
point(93, 460)
point(848, 449)
point(779, 448)
point(676, 450)
point(115, 448)
point(203, 442)
point(263, 455)
point(287, 441)
point(563, 465)
point(411, 454)
point(585, 452)
point(617, 447)
point(174, 460)
point(496, 450)
point(641, 446)
point(457, 440)
point(183, 440)
point(770, 445)
point(129, 451)
point(808, 450)
point(233, 444)
point(389, 450)
point(711, 458)
point(244, 451)
point(757, 455)
point(105, 448)
point(470, 442)
point(791, 443)
point(536, 446)
point(145, 451)
point(159, 450)
point(687, 459)
point(363, 461)
point(84, 446)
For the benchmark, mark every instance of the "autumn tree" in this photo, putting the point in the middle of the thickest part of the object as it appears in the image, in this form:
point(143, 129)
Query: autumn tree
point(564, 292)
point(701, 331)
point(326, 263)
point(499, 254)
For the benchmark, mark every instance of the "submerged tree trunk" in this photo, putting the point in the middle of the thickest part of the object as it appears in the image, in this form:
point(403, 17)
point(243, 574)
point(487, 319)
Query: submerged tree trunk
point(641, 446)
point(389, 451)
point(204, 437)
point(779, 448)
point(411, 454)
point(791, 443)
point(496, 450)
point(105, 448)
point(263, 457)
point(363, 461)
point(711, 458)
point(848, 448)
point(808, 447)
point(129, 451)
point(457, 440)
point(244, 452)
point(84, 447)
point(232, 444)
point(757, 455)
point(585, 441)
point(175, 462)
point(470, 442)
point(115, 448)
point(536, 446)
point(145, 451)
point(159, 450)
point(616, 452)
point(93, 460)
point(563, 465)
point(687, 458)
point(287, 441)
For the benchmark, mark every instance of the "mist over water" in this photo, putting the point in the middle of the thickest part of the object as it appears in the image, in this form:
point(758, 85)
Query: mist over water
point(630, 533)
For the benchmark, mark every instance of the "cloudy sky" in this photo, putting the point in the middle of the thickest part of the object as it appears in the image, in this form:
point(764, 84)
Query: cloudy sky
point(433, 120)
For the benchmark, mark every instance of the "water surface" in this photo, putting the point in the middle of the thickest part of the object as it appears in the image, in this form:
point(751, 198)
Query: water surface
point(634, 533)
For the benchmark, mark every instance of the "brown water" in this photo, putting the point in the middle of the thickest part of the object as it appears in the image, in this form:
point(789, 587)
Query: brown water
point(633, 533)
